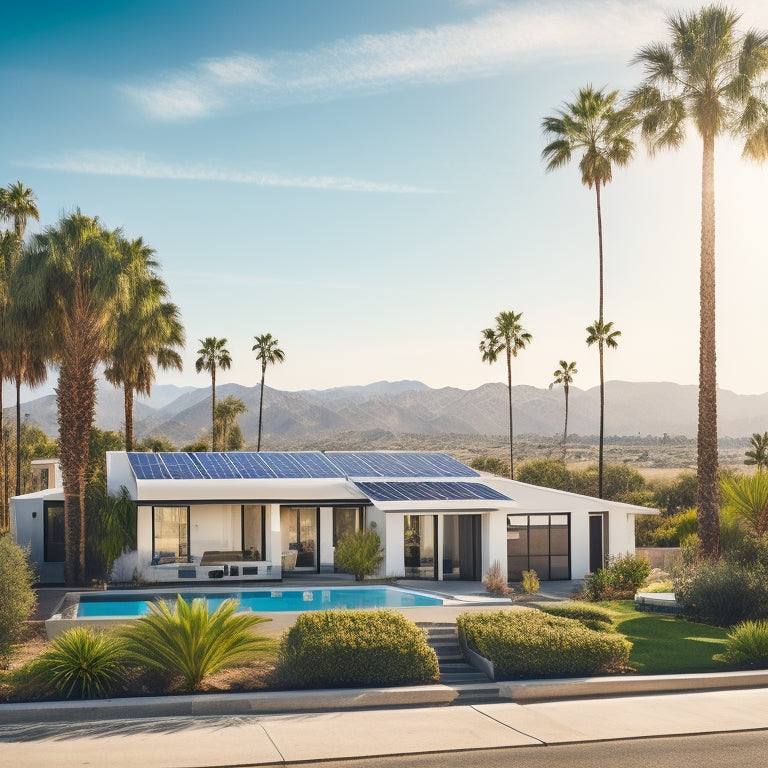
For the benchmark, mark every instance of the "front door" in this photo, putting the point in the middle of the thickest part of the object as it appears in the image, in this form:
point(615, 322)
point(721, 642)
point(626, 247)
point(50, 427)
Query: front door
point(469, 547)
point(596, 543)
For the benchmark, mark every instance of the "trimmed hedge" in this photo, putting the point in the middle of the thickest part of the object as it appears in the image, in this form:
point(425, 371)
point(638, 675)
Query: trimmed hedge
point(530, 643)
point(347, 648)
point(591, 616)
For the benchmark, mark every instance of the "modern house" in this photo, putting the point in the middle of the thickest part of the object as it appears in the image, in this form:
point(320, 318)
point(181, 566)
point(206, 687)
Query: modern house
point(239, 515)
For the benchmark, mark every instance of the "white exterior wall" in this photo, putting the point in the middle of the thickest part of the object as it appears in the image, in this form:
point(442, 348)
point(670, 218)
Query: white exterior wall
point(621, 534)
point(272, 524)
point(27, 529)
point(394, 544)
point(579, 544)
point(325, 545)
point(214, 527)
point(494, 541)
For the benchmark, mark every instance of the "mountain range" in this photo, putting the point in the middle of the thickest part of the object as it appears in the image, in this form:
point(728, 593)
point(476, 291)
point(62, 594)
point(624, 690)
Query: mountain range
point(182, 414)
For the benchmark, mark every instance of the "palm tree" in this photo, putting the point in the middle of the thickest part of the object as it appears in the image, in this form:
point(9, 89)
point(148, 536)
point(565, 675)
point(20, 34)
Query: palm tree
point(564, 375)
point(511, 336)
point(213, 355)
point(70, 282)
point(708, 75)
point(18, 204)
point(747, 499)
point(148, 331)
point(9, 246)
point(603, 335)
point(227, 411)
point(759, 453)
point(269, 353)
point(593, 127)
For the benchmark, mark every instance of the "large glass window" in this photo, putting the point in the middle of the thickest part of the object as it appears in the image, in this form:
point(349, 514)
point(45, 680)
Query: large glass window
point(254, 538)
point(419, 542)
point(540, 543)
point(170, 535)
point(53, 533)
point(346, 520)
point(298, 531)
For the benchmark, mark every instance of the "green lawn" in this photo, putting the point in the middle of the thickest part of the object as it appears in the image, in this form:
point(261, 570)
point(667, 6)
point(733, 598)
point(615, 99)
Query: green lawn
point(665, 645)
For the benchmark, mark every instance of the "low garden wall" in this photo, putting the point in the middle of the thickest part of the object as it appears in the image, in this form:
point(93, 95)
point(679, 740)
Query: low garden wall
point(659, 557)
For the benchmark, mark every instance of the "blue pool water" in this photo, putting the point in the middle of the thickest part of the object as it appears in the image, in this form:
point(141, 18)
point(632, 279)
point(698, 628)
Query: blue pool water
point(260, 600)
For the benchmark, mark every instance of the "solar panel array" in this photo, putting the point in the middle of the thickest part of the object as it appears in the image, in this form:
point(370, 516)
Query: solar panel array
point(231, 466)
point(270, 465)
point(380, 464)
point(435, 491)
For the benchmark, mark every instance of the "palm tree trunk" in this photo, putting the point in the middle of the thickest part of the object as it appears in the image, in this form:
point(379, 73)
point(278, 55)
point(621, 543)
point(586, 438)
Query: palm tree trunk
point(213, 408)
point(565, 428)
point(128, 400)
point(509, 392)
point(600, 247)
point(18, 435)
point(261, 403)
point(602, 414)
point(76, 401)
point(708, 501)
point(5, 513)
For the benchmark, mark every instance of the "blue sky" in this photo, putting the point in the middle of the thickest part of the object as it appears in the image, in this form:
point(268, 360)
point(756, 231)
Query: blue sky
point(362, 179)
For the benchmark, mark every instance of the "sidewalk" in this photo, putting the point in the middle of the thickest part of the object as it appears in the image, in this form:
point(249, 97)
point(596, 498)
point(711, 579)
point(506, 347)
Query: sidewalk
point(225, 740)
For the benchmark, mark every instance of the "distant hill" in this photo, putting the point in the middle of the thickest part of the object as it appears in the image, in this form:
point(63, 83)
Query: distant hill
point(182, 414)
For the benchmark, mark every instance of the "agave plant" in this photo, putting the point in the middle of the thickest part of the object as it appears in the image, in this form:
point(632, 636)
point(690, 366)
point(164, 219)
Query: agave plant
point(81, 664)
point(193, 643)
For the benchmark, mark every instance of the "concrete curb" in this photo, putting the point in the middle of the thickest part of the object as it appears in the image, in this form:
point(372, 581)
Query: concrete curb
point(279, 702)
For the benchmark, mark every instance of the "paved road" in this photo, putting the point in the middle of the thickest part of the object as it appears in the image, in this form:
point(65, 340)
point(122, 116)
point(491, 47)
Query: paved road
point(733, 750)
point(537, 731)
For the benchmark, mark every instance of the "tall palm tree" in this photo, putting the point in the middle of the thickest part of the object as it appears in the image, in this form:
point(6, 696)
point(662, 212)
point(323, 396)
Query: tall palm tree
point(508, 335)
point(603, 335)
point(18, 204)
point(70, 282)
point(212, 355)
point(9, 246)
point(594, 127)
point(269, 353)
point(147, 334)
point(708, 75)
point(564, 375)
point(758, 456)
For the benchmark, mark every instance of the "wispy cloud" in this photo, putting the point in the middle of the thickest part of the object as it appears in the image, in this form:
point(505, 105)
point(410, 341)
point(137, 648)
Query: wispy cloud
point(139, 165)
point(509, 35)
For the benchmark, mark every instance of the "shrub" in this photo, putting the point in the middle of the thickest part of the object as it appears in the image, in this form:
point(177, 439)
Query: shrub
point(530, 582)
point(590, 616)
point(191, 642)
point(531, 643)
point(359, 553)
point(674, 529)
point(347, 648)
point(597, 585)
point(620, 580)
point(491, 464)
point(80, 664)
point(17, 597)
point(722, 593)
point(495, 581)
point(747, 643)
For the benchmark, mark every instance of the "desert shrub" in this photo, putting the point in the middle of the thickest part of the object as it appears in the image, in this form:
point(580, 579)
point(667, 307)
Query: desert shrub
point(530, 582)
point(624, 575)
point(359, 553)
point(659, 586)
point(491, 464)
point(17, 597)
point(347, 648)
point(591, 616)
point(548, 473)
point(495, 581)
point(531, 643)
point(81, 663)
point(193, 643)
point(747, 643)
point(722, 593)
point(628, 572)
point(675, 528)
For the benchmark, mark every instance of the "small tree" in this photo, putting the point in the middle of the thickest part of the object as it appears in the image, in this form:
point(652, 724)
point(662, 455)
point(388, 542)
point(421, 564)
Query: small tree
point(491, 464)
point(758, 455)
point(17, 598)
point(359, 553)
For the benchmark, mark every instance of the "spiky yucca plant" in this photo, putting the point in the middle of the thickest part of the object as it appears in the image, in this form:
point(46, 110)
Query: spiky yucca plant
point(193, 643)
point(747, 642)
point(81, 664)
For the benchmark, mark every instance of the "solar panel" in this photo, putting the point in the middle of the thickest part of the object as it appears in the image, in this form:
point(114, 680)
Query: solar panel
point(449, 466)
point(317, 465)
point(250, 465)
point(352, 464)
point(389, 465)
point(284, 465)
point(148, 466)
point(432, 491)
point(182, 466)
point(216, 466)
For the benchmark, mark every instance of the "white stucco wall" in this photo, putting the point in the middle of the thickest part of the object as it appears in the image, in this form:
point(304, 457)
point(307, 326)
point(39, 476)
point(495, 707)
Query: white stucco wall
point(27, 529)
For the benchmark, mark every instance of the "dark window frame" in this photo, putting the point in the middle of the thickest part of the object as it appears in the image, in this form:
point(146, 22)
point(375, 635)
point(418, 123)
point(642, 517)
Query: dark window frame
point(549, 515)
point(189, 541)
point(47, 505)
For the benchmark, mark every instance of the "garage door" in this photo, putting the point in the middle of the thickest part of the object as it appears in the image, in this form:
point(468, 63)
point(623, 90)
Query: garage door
point(541, 543)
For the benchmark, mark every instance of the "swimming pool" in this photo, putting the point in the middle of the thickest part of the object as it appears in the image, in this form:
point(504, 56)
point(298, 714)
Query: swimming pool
point(126, 604)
